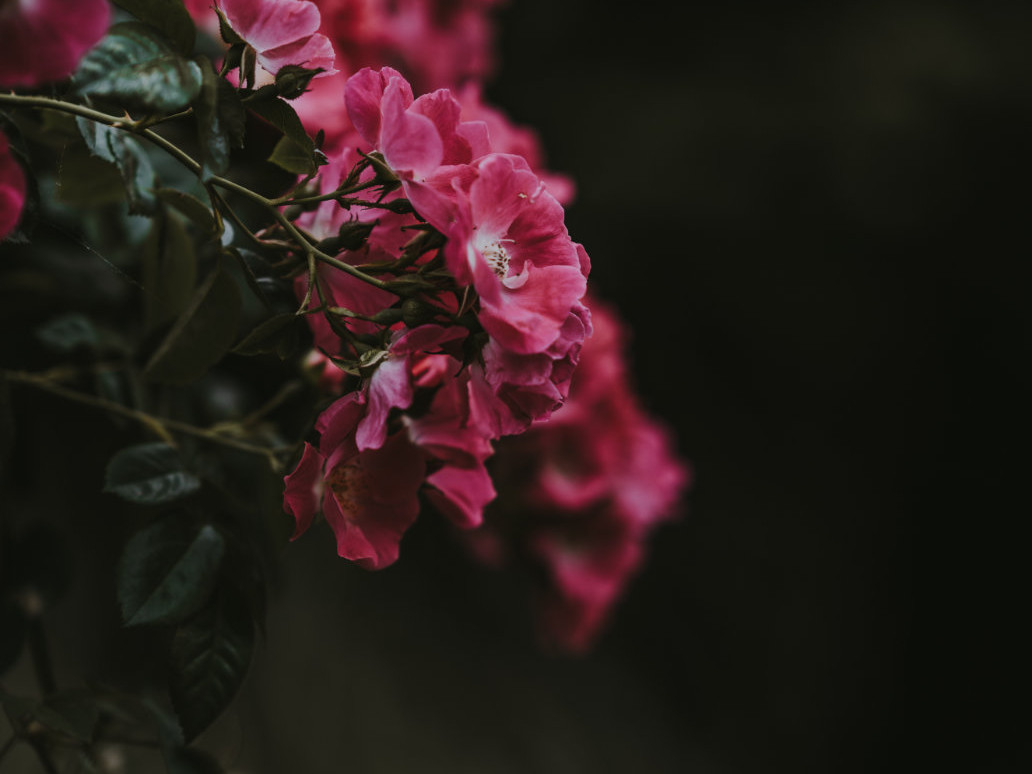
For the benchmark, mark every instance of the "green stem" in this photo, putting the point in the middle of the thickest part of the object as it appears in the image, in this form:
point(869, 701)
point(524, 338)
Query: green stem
point(186, 160)
point(160, 425)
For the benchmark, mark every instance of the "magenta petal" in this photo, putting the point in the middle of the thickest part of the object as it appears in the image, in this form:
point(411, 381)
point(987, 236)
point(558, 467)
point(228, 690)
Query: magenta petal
point(372, 499)
point(268, 24)
point(410, 142)
point(12, 189)
point(303, 490)
point(426, 338)
point(389, 387)
point(461, 494)
point(528, 320)
point(45, 39)
point(363, 94)
point(314, 52)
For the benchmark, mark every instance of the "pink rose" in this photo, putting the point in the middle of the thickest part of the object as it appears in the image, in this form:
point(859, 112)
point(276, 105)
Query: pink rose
point(12, 189)
point(43, 40)
point(282, 32)
point(583, 490)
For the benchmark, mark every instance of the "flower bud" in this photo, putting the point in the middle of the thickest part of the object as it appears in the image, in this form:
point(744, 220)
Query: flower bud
point(415, 312)
point(292, 80)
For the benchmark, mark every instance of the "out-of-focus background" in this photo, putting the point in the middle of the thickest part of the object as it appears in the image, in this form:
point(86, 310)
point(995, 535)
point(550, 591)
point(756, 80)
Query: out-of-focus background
point(814, 219)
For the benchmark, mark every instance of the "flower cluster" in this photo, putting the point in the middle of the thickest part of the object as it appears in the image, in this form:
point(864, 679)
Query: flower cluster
point(470, 332)
point(426, 242)
point(580, 494)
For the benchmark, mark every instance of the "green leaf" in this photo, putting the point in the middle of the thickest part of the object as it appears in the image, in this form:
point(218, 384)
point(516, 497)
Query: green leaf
point(210, 657)
point(149, 474)
point(126, 153)
point(193, 208)
point(67, 333)
point(292, 157)
point(212, 134)
point(201, 335)
point(85, 180)
point(278, 335)
point(168, 572)
point(300, 150)
point(73, 713)
point(232, 113)
point(133, 65)
point(169, 272)
point(169, 16)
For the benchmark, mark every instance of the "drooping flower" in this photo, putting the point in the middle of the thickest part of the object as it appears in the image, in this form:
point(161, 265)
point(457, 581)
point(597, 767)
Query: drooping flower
point(367, 472)
point(581, 492)
point(282, 32)
point(12, 189)
point(43, 40)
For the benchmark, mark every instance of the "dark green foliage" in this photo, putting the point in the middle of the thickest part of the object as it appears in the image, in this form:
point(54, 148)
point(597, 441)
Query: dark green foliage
point(169, 270)
point(211, 124)
point(295, 152)
point(168, 571)
point(203, 333)
point(126, 153)
point(149, 474)
point(278, 335)
point(210, 656)
point(68, 333)
point(194, 209)
point(134, 65)
point(168, 16)
point(73, 713)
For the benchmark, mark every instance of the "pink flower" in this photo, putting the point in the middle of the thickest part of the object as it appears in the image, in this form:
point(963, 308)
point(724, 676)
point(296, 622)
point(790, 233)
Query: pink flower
point(582, 491)
point(282, 32)
point(506, 137)
point(511, 243)
point(436, 43)
point(43, 40)
point(440, 449)
point(12, 189)
point(368, 498)
point(416, 136)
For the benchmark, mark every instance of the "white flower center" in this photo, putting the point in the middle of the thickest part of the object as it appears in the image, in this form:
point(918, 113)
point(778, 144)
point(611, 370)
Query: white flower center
point(497, 257)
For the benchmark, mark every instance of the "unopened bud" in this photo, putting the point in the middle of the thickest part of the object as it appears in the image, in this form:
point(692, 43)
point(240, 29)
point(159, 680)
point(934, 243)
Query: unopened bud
point(351, 236)
point(388, 317)
point(415, 312)
point(292, 81)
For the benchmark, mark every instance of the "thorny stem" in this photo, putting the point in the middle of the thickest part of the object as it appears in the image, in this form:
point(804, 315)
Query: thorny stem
point(160, 425)
point(127, 124)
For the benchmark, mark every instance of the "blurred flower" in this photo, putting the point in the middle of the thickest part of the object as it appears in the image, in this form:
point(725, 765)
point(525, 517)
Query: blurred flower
point(43, 40)
point(12, 189)
point(580, 493)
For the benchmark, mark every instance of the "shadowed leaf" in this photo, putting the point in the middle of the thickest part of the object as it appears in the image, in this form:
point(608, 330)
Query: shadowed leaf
point(149, 474)
point(167, 572)
point(134, 65)
point(203, 333)
point(210, 656)
point(168, 16)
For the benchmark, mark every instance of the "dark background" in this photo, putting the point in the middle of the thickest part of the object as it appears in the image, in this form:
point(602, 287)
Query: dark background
point(814, 216)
